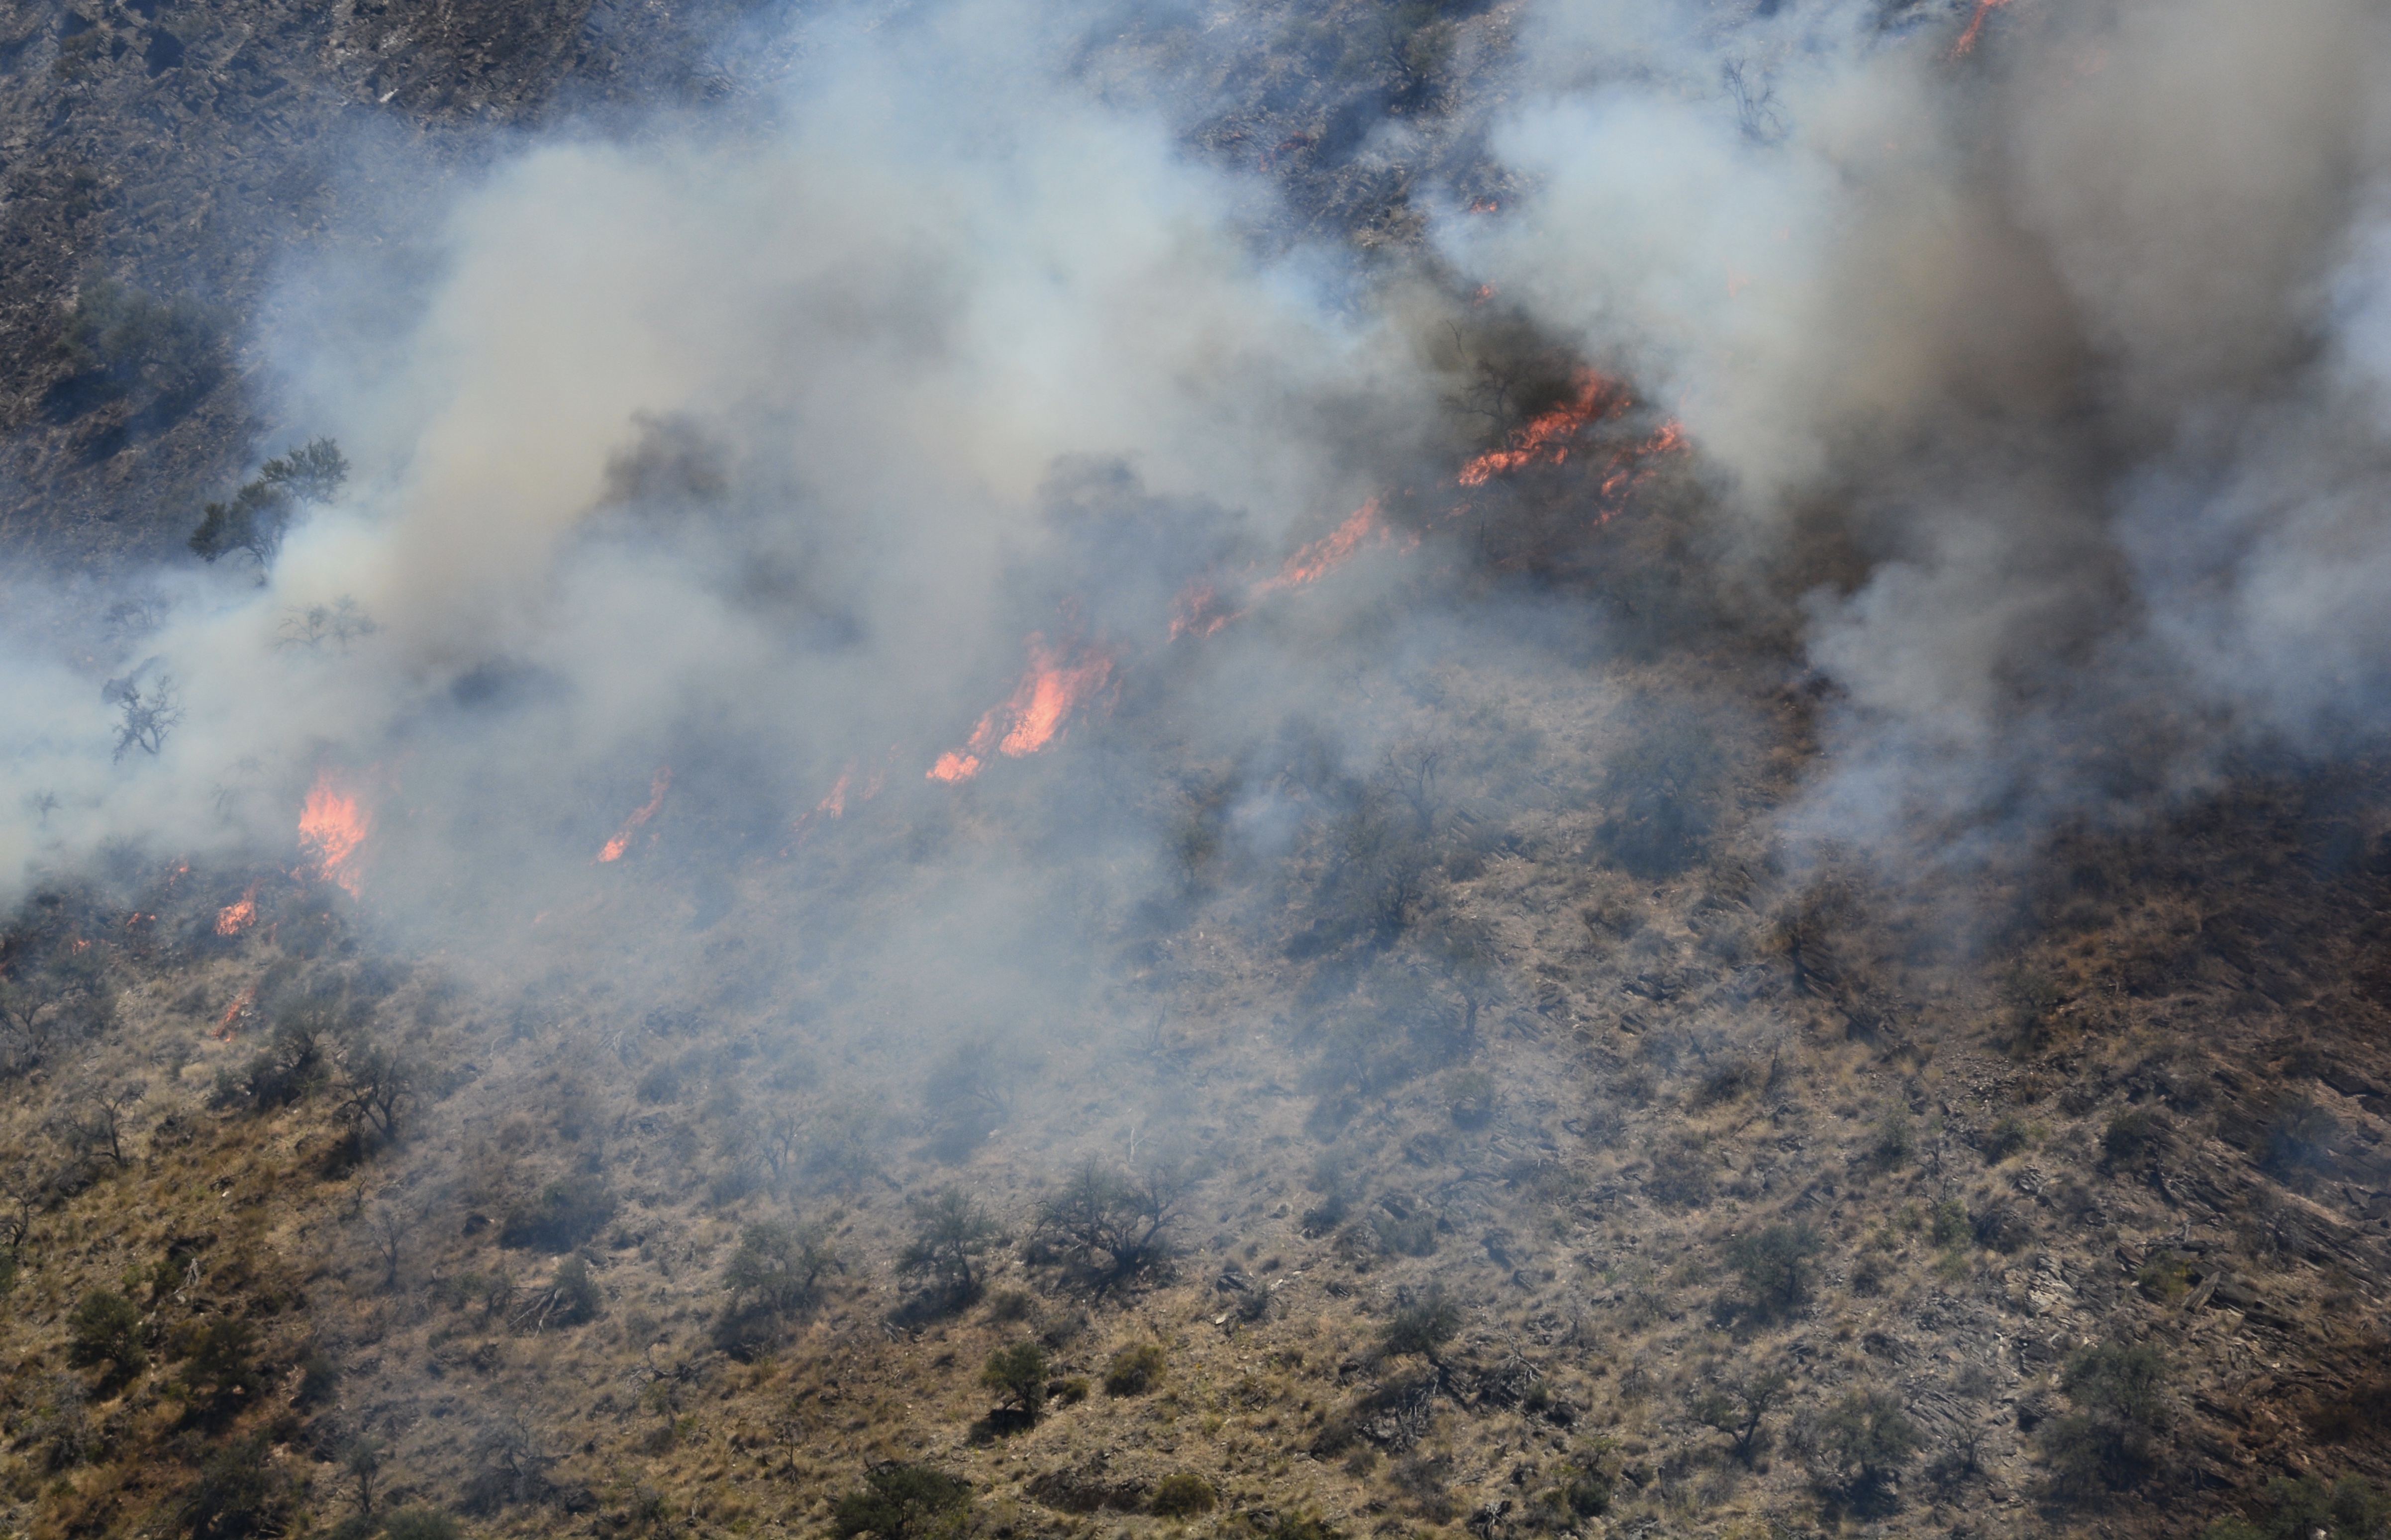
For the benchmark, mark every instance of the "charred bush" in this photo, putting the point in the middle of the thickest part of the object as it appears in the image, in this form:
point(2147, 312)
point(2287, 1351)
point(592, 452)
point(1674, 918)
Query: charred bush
point(1680, 1171)
point(1108, 1226)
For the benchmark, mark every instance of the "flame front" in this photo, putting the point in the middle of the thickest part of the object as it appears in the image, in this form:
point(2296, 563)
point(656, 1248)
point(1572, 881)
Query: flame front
point(1547, 436)
point(1057, 682)
point(1331, 550)
point(334, 827)
point(233, 919)
point(622, 840)
point(1968, 40)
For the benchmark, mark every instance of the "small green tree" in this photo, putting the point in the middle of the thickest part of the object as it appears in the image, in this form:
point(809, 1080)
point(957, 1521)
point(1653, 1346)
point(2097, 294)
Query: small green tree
point(1867, 1438)
point(1776, 1262)
point(1737, 1402)
point(105, 1330)
point(256, 517)
point(951, 1232)
point(900, 1502)
point(1018, 1372)
point(780, 1266)
point(2119, 1391)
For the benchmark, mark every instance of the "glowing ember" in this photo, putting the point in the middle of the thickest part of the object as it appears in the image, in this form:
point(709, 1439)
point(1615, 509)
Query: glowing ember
point(1547, 436)
point(1317, 559)
point(1968, 40)
point(233, 919)
point(1056, 683)
point(334, 827)
point(622, 840)
point(1485, 205)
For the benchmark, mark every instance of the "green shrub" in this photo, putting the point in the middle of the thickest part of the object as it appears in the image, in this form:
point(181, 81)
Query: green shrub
point(1018, 1372)
point(2164, 1280)
point(1134, 1371)
point(1422, 1326)
point(899, 1501)
point(1951, 1225)
point(2120, 1405)
point(1776, 1264)
point(420, 1523)
point(105, 1330)
point(1184, 1492)
point(1469, 1098)
point(2007, 1138)
point(254, 520)
point(1867, 1438)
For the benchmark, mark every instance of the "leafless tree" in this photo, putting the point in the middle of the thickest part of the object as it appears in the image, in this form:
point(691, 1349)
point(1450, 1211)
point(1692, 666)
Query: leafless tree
point(387, 1229)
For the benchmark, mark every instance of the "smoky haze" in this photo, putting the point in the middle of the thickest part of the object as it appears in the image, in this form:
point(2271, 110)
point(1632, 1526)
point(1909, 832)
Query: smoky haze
point(2038, 391)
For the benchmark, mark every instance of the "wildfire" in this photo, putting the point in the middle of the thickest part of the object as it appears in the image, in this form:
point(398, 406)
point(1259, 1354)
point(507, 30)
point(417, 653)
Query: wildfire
point(1199, 611)
point(232, 919)
point(233, 1011)
point(1547, 436)
point(1968, 39)
point(1056, 683)
point(1318, 559)
point(622, 840)
point(334, 827)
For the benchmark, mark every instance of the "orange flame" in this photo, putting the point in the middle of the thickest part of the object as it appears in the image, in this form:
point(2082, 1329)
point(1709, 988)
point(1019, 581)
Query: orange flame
point(622, 840)
point(1056, 683)
point(1547, 436)
point(233, 919)
point(334, 826)
point(955, 767)
point(232, 1012)
point(1317, 559)
point(1199, 612)
point(1968, 40)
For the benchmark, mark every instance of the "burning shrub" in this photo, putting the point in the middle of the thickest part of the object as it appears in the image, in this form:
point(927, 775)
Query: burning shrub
point(561, 1216)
